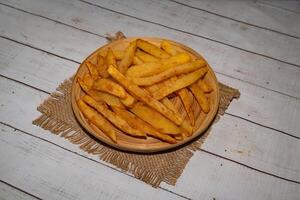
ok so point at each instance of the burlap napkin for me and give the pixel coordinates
(57, 117)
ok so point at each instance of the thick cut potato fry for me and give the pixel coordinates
(181, 82)
(137, 61)
(110, 87)
(145, 57)
(99, 121)
(88, 80)
(117, 53)
(187, 102)
(181, 69)
(168, 47)
(200, 97)
(128, 101)
(141, 125)
(144, 95)
(128, 57)
(155, 119)
(151, 68)
(151, 49)
(102, 66)
(112, 117)
(110, 58)
(92, 69)
(204, 86)
(101, 96)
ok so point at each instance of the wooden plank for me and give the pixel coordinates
(75, 44)
(8, 192)
(60, 174)
(292, 6)
(46, 72)
(245, 142)
(207, 25)
(53, 173)
(254, 13)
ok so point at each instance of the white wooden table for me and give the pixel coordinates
(252, 153)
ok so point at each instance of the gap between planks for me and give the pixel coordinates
(233, 19)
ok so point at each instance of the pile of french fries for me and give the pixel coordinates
(130, 90)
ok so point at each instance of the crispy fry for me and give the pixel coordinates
(87, 79)
(128, 101)
(181, 69)
(204, 86)
(151, 68)
(110, 58)
(187, 101)
(141, 125)
(144, 96)
(110, 87)
(200, 97)
(180, 83)
(151, 49)
(168, 104)
(98, 120)
(92, 69)
(145, 57)
(117, 53)
(155, 119)
(128, 57)
(137, 61)
(112, 117)
(101, 66)
(167, 46)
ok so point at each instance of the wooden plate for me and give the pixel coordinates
(128, 143)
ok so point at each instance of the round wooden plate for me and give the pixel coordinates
(149, 145)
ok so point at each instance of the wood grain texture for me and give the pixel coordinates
(76, 44)
(210, 26)
(240, 136)
(292, 6)
(53, 173)
(253, 13)
(8, 192)
(149, 145)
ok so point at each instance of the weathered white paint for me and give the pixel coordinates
(8, 193)
(76, 45)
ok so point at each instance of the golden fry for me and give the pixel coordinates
(144, 95)
(141, 125)
(101, 66)
(110, 87)
(151, 68)
(110, 58)
(181, 82)
(98, 120)
(145, 57)
(112, 117)
(151, 49)
(187, 101)
(155, 119)
(200, 97)
(128, 101)
(92, 69)
(181, 69)
(204, 86)
(167, 46)
(128, 57)
(137, 61)
(88, 80)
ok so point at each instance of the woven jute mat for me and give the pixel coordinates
(58, 117)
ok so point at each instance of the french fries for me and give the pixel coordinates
(180, 83)
(200, 97)
(128, 91)
(99, 121)
(151, 68)
(107, 85)
(187, 103)
(145, 57)
(112, 117)
(127, 57)
(151, 49)
(155, 119)
(141, 125)
(143, 95)
(181, 69)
